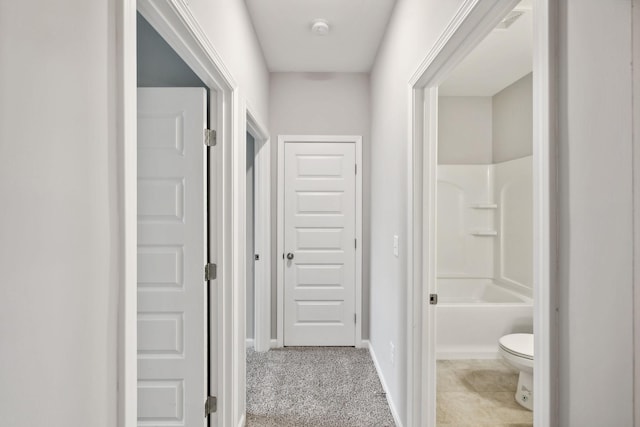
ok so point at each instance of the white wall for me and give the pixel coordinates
(59, 217)
(595, 214)
(513, 121)
(322, 104)
(229, 28)
(413, 28)
(465, 130)
(594, 201)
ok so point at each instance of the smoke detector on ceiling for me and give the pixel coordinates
(320, 27)
(509, 19)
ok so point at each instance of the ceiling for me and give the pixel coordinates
(284, 30)
(502, 58)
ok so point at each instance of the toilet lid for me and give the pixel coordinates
(518, 344)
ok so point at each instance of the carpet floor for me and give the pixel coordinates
(314, 387)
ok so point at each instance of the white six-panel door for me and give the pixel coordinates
(172, 376)
(319, 237)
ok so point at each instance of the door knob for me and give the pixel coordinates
(289, 255)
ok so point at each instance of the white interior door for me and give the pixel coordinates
(172, 337)
(319, 243)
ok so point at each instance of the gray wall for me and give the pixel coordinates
(158, 64)
(513, 121)
(323, 104)
(250, 279)
(464, 130)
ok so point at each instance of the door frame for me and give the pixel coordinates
(282, 140)
(472, 22)
(174, 21)
(262, 231)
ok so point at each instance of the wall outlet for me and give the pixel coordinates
(396, 245)
(392, 353)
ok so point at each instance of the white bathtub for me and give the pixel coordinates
(472, 314)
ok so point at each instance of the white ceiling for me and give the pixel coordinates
(499, 60)
(284, 31)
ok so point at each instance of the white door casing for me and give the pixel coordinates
(172, 334)
(320, 211)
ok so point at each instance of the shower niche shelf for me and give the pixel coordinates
(484, 206)
(484, 233)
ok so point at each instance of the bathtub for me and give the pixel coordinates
(472, 314)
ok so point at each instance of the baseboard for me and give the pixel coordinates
(250, 343)
(462, 355)
(274, 343)
(243, 420)
(392, 406)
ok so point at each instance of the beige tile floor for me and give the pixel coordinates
(478, 393)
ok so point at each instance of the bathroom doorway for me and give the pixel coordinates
(484, 227)
(481, 221)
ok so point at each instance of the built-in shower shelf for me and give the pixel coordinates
(484, 206)
(484, 233)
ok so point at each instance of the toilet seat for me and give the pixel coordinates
(519, 345)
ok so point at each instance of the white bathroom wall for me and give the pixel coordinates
(513, 189)
(465, 130)
(464, 193)
(480, 199)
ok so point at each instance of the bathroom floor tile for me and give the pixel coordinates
(478, 393)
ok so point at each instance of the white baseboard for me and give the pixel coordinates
(250, 342)
(462, 355)
(274, 343)
(392, 406)
(243, 420)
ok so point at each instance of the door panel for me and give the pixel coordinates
(172, 376)
(319, 218)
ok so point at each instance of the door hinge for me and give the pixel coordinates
(433, 299)
(256, 257)
(210, 272)
(210, 406)
(210, 137)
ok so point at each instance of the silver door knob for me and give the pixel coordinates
(289, 255)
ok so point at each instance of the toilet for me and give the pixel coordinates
(517, 350)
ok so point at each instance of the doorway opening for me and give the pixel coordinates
(476, 224)
(161, 334)
(258, 234)
(484, 230)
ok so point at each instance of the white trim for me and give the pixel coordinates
(250, 343)
(243, 420)
(128, 200)
(173, 20)
(357, 140)
(383, 382)
(473, 21)
(274, 343)
(262, 220)
(636, 210)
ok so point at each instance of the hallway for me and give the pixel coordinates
(314, 386)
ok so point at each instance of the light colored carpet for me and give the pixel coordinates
(314, 387)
